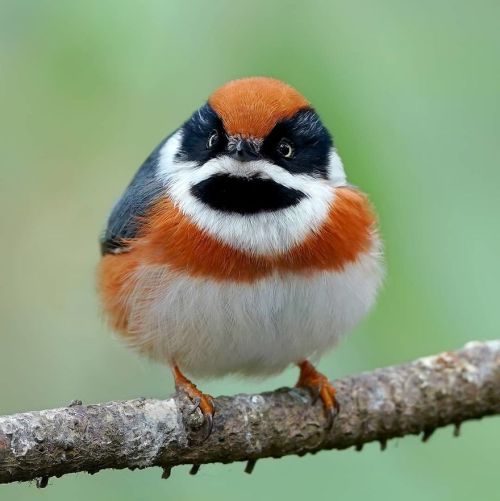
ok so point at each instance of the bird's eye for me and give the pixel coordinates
(285, 149)
(213, 139)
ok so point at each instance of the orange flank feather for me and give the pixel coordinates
(171, 239)
(116, 281)
(251, 107)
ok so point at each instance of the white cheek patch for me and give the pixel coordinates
(261, 233)
(336, 171)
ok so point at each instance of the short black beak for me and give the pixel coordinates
(244, 150)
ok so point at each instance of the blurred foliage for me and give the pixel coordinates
(411, 93)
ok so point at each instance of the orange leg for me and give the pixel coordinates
(201, 400)
(320, 387)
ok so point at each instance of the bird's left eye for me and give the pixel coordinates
(213, 139)
(285, 149)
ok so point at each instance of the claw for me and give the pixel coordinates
(315, 393)
(209, 420)
(200, 400)
(320, 387)
(196, 404)
(336, 405)
(331, 414)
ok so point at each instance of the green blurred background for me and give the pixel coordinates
(411, 93)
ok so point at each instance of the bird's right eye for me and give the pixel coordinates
(213, 139)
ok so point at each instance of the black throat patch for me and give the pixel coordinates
(245, 195)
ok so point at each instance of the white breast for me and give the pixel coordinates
(212, 328)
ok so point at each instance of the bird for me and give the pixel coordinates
(239, 247)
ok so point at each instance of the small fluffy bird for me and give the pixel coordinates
(239, 247)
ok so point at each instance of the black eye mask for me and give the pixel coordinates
(196, 133)
(310, 140)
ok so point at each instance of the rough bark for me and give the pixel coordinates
(392, 402)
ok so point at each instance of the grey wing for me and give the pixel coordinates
(125, 220)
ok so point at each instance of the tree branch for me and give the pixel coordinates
(407, 399)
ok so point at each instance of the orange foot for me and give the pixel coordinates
(320, 387)
(200, 400)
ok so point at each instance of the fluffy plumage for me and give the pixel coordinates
(249, 281)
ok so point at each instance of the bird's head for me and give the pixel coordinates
(254, 166)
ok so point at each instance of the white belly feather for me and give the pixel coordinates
(212, 328)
